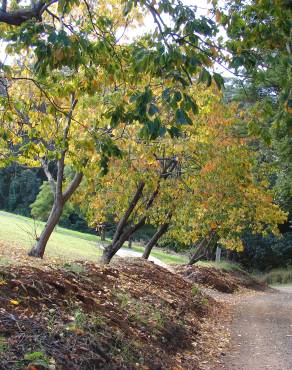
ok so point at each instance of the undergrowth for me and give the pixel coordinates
(278, 276)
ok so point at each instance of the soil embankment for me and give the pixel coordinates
(82, 316)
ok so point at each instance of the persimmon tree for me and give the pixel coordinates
(135, 190)
(74, 75)
(196, 186)
(231, 193)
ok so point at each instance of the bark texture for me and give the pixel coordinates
(204, 248)
(38, 249)
(152, 242)
(19, 16)
(125, 230)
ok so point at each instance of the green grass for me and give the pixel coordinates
(278, 277)
(164, 256)
(66, 244)
(223, 265)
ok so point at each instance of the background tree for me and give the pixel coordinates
(18, 188)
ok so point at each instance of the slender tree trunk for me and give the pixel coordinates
(60, 197)
(161, 231)
(110, 250)
(199, 253)
(102, 233)
(124, 219)
(122, 233)
(38, 249)
(203, 249)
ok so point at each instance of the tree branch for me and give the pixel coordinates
(19, 16)
(49, 175)
(128, 212)
(72, 186)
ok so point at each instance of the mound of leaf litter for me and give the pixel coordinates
(225, 281)
(81, 316)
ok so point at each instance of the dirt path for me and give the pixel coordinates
(261, 333)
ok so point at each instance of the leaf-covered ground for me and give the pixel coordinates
(224, 281)
(134, 315)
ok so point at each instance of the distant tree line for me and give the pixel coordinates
(24, 191)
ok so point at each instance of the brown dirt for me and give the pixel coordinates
(225, 281)
(132, 316)
(261, 333)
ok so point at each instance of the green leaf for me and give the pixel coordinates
(177, 96)
(153, 109)
(166, 94)
(219, 80)
(182, 117)
(205, 77)
(174, 132)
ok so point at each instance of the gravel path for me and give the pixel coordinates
(261, 333)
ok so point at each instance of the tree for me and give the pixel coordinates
(80, 80)
(199, 184)
(40, 208)
(18, 188)
(259, 46)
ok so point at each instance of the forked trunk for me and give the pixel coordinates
(109, 251)
(203, 248)
(38, 249)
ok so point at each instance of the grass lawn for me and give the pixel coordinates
(223, 265)
(64, 244)
(164, 256)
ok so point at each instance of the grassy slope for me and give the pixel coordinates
(64, 243)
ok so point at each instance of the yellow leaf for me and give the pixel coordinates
(13, 301)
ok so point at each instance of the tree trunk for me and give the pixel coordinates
(123, 233)
(38, 249)
(199, 253)
(60, 200)
(102, 234)
(124, 219)
(60, 197)
(110, 250)
(161, 231)
(204, 248)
